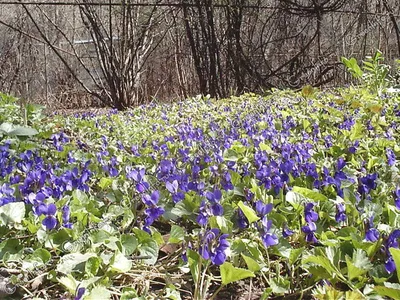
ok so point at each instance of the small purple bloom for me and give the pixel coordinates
(202, 218)
(286, 232)
(151, 200)
(66, 212)
(217, 209)
(138, 176)
(372, 235)
(173, 188)
(340, 213)
(268, 238)
(214, 247)
(390, 265)
(214, 196)
(397, 198)
(79, 294)
(341, 163)
(263, 209)
(391, 157)
(367, 183)
(309, 214)
(242, 220)
(355, 146)
(153, 211)
(50, 221)
(309, 230)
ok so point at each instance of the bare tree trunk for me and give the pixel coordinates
(395, 23)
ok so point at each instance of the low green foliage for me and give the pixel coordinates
(299, 197)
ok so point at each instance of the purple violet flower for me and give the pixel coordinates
(173, 189)
(309, 214)
(50, 221)
(391, 242)
(309, 230)
(263, 209)
(367, 183)
(286, 232)
(353, 148)
(340, 213)
(138, 176)
(214, 247)
(153, 211)
(397, 197)
(79, 294)
(268, 238)
(391, 156)
(371, 233)
(66, 212)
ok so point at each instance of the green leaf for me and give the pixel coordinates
(99, 293)
(279, 286)
(42, 254)
(361, 260)
(306, 124)
(177, 234)
(69, 282)
(99, 237)
(396, 257)
(330, 293)
(283, 248)
(352, 270)
(357, 131)
(10, 246)
(223, 224)
(295, 254)
(391, 290)
(129, 244)
(129, 293)
(6, 127)
(23, 131)
(149, 247)
(230, 155)
(158, 237)
(295, 199)
(310, 194)
(185, 207)
(320, 261)
(60, 238)
(80, 196)
(194, 260)
(248, 212)
(92, 265)
(11, 213)
(264, 147)
(235, 178)
(352, 67)
(105, 182)
(120, 264)
(253, 265)
(10, 129)
(354, 295)
(379, 274)
(230, 274)
(172, 293)
(141, 235)
(73, 262)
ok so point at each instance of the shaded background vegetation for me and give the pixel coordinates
(124, 53)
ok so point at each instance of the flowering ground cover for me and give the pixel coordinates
(261, 197)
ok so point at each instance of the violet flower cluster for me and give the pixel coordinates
(310, 217)
(214, 246)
